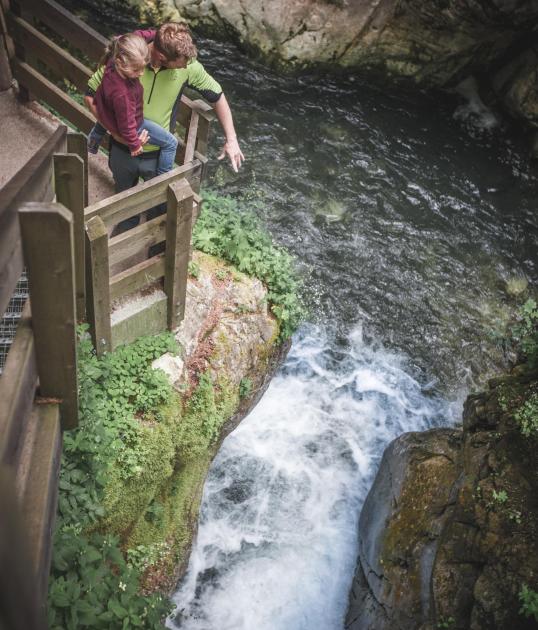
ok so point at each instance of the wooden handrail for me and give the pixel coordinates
(135, 200)
(70, 27)
(64, 65)
(33, 182)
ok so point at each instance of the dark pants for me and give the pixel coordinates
(127, 171)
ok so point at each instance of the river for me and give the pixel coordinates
(413, 220)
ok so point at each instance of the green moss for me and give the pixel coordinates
(161, 503)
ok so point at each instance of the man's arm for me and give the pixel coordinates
(205, 84)
(231, 146)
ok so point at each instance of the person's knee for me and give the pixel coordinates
(171, 142)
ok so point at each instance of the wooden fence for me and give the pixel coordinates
(36, 59)
(38, 386)
(120, 265)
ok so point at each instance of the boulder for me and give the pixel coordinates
(449, 531)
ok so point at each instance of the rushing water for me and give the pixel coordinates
(410, 218)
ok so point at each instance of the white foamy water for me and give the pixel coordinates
(277, 540)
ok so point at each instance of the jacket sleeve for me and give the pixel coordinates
(95, 81)
(201, 81)
(147, 34)
(126, 121)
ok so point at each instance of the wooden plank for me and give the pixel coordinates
(77, 143)
(70, 27)
(135, 200)
(59, 61)
(21, 607)
(69, 185)
(17, 388)
(44, 89)
(37, 485)
(178, 244)
(31, 183)
(5, 43)
(97, 285)
(204, 127)
(137, 277)
(191, 138)
(136, 240)
(47, 240)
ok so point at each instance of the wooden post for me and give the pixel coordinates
(69, 186)
(204, 125)
(47, 240)
(98, 285)
(21, 607)
(177, 254)
(77, 143)
(191, 137)
(5, 70)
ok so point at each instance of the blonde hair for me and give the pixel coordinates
(174, 40)
(127, 51)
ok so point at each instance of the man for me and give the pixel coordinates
(172, 67)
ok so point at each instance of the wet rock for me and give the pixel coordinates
(449, 531)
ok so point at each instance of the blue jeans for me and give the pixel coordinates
(158, 136)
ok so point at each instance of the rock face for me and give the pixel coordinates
(448, 532)
(435, 43)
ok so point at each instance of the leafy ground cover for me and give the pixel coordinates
(233, 233)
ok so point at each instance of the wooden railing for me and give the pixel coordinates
(38, 385)
(120, 265)
(34, 55)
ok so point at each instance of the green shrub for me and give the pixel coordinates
(225, 230)
(91, 585)
(529, 602)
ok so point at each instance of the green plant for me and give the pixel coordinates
(514, 516)
(500, 497)
(222, 274)
(525, 332)
(245, 387)
(225, 230)
(529, 602)
(92, 586)
(194, 269)
(142, 557)
(445, 622)
(526, 416)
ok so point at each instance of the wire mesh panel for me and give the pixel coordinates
(11, 318)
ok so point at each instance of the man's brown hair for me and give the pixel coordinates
(174, 40)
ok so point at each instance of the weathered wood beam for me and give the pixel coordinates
(62, 64)
(97, 285)
(178, 246)
(137, 240)
(69, 185)
(44, 89)
(140, 275)
(48, 244)
(33, 182)
(17, 388)
(70, 27)
(131, 202)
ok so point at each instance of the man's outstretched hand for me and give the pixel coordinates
(234, 153)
